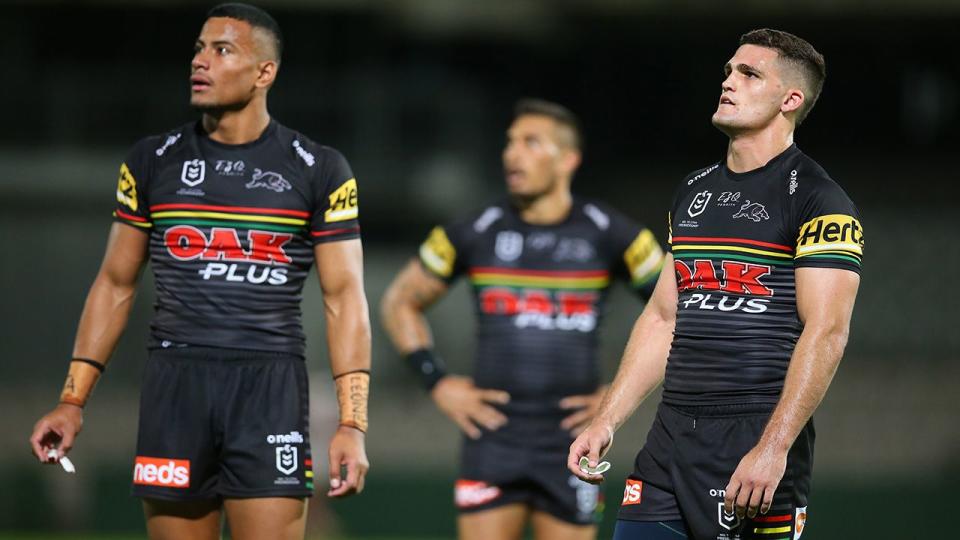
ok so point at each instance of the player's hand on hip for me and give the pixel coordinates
(347, 450)
(753, 484)
(57, 430)
(469, 406)
(584, 408)
(593, 443)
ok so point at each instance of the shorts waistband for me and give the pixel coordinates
(733, 409)
(194, 353)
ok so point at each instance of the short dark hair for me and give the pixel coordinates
(557, 112)
(253, 15)
(797, 53)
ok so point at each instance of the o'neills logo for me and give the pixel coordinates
(163, 472)
(467, 493)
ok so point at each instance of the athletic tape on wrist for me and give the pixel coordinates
(81, 379)
(353, 392)
(428, 366)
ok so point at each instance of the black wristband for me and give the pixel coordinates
(428, 366)
(93, 363)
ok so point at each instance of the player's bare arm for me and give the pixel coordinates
(411, 293)
(641, 371)
(825, 299)
(340, 269)
(104, 317)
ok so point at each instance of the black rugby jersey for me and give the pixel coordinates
(539, 292)
(736, 240)
(232, 230)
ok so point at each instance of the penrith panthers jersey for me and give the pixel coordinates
(539, 291)
(232, 230)
(736, 240)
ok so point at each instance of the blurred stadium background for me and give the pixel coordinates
(417, 94)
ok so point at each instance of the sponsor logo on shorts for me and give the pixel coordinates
(727, 521)
(343, 203)
(631, 492)
(194, 170)
(699, 203)
(163, 472)
(468, 493)
(588, 496)
(287, 459)
(799, 522)
(294, 437)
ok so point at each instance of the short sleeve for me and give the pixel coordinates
(132, 207)
(829, 233)
(639, 256)
(442, 253)
(336, 208)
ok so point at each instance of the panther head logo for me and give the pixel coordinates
(270, 180)
(752, 211)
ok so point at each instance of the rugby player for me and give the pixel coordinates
(540, 262)
(232, 210)
(748, 331)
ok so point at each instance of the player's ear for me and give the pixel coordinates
(267, 73)
(792, 101)
(571, 159)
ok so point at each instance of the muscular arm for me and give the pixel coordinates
(641, 371)
(111, 296)
(402, 307)
(645, 358)
(340, 269)
(825, 298)
(104, 317)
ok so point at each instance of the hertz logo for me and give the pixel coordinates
(127, 188)
(437, 253)
(343, 203)
(833, 232)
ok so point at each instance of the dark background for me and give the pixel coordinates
(417, 94)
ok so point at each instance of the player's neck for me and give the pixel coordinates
(749, 151)
(237, 127)
(548, 209)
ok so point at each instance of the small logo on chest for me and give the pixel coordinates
(509, 245)
(193, 172)
(226, 167)
(753, 211)
(699, 203)
(270, 180)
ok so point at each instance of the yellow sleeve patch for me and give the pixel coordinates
(343, 203)
(832, 233)
(438, 254)
(127, 188)
(643, 257)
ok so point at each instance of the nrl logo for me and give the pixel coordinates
(193, 172)
(509, 245)
(727, 521)
(270, 180)
(752, 211)
(699, 203)
(287, 459)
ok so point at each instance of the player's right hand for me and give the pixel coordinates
(469, 406)
(56, 430)
(593, 443)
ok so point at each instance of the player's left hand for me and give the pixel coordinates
(752, 485)
(586, 407)
(347, 449)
